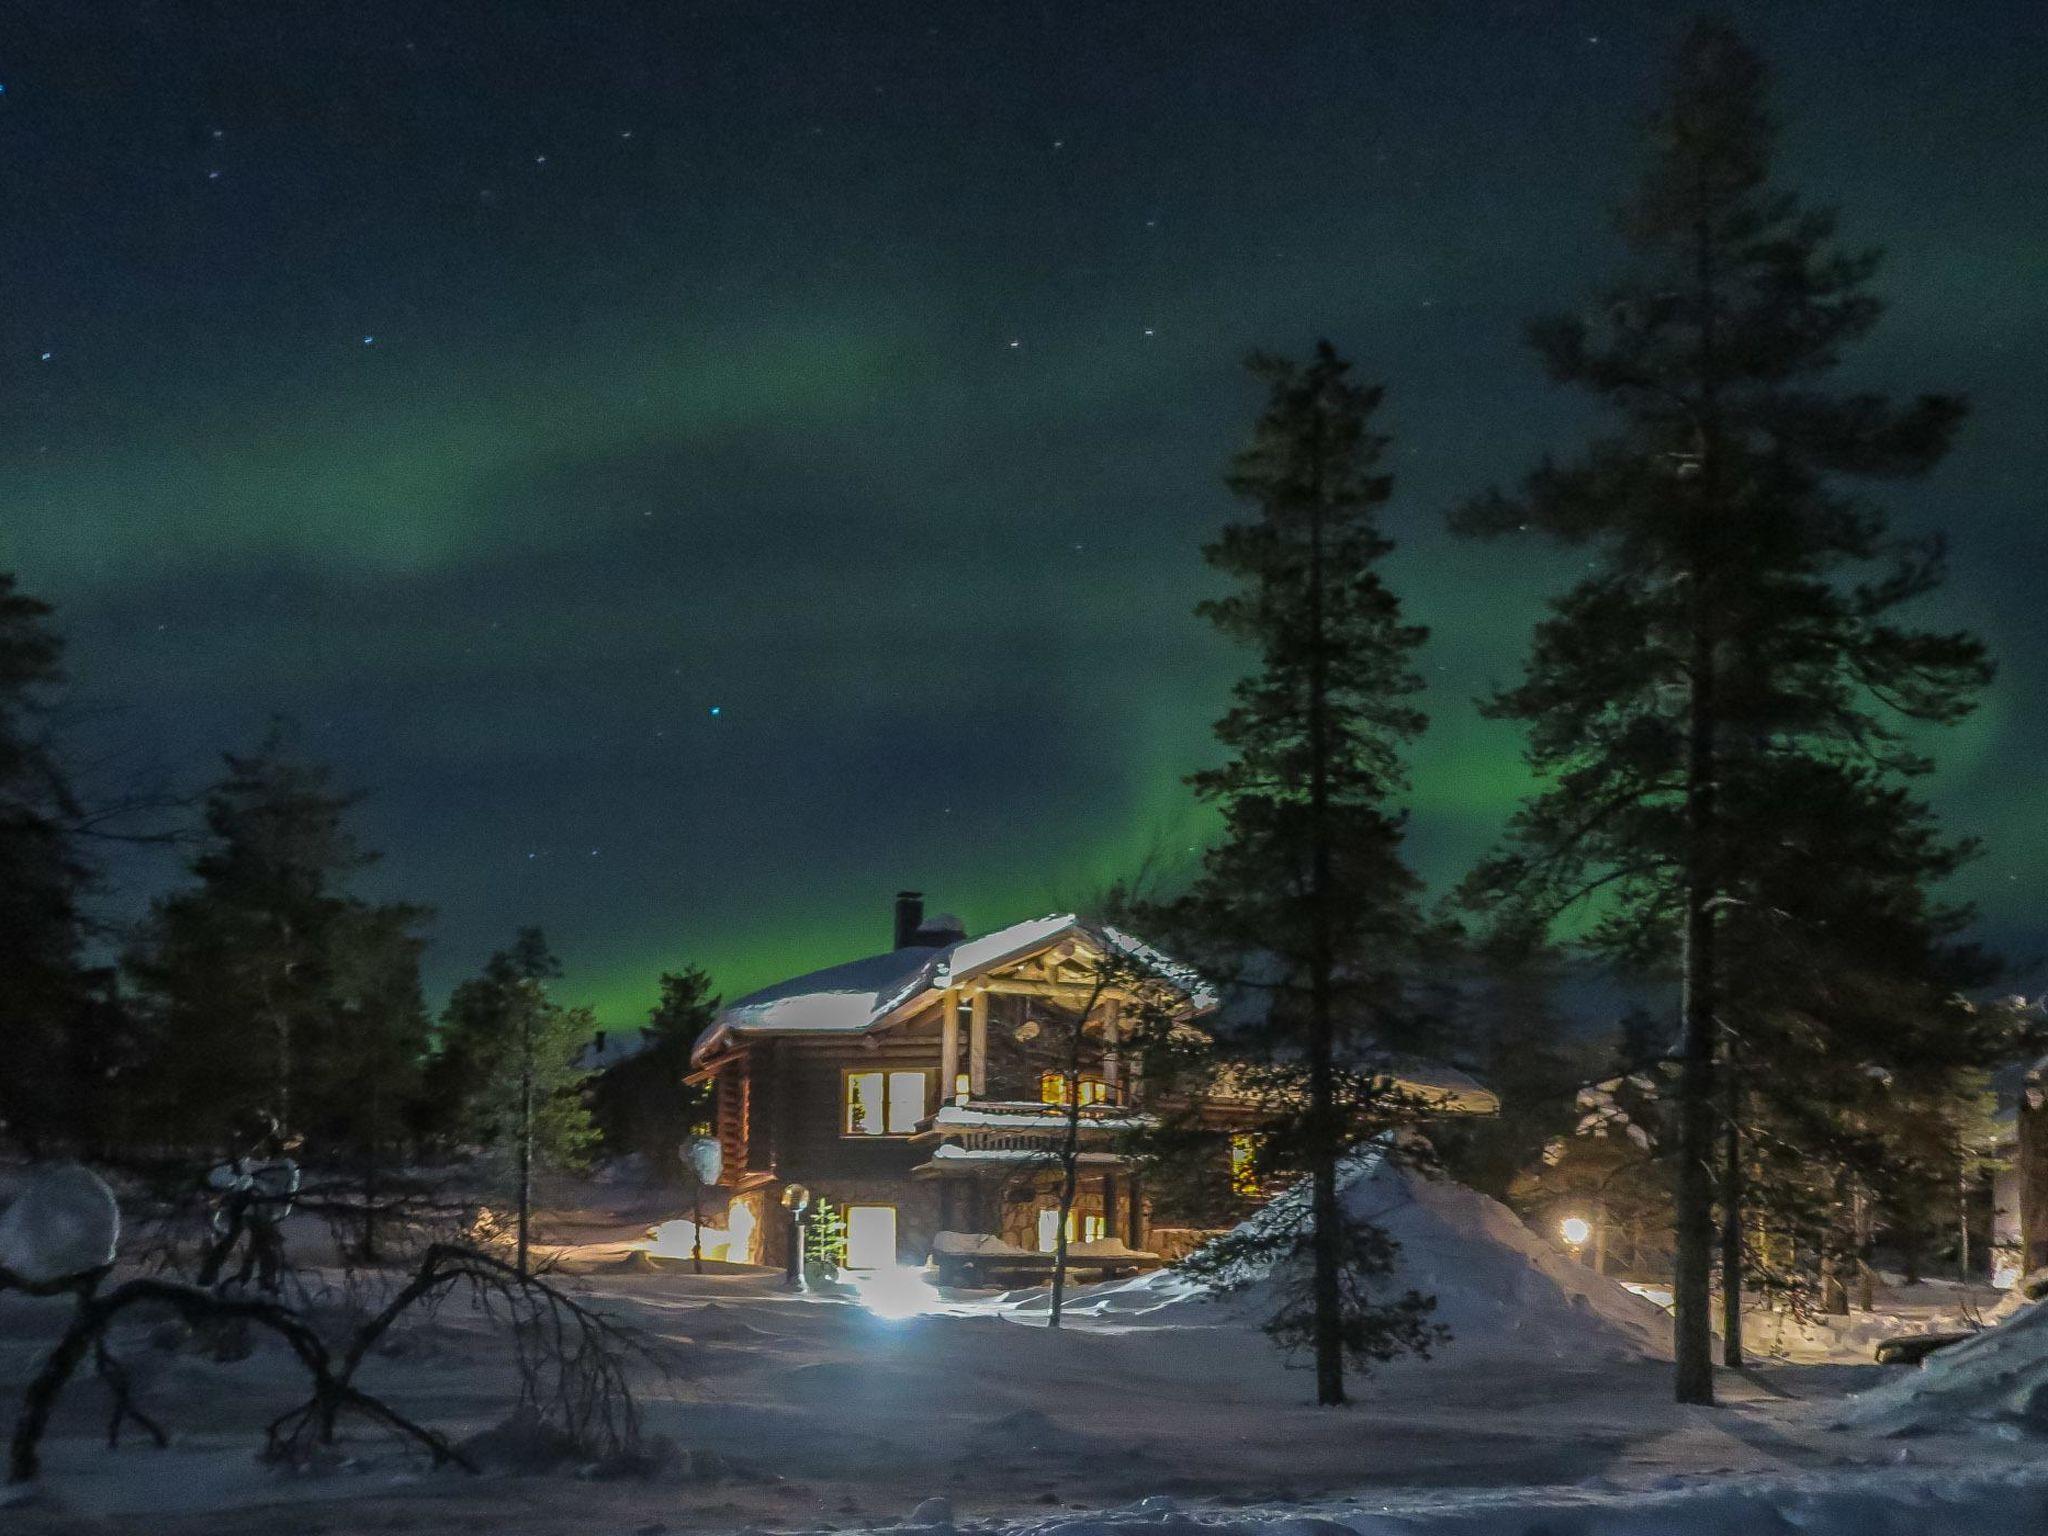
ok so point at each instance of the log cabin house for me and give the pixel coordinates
(916, 1091)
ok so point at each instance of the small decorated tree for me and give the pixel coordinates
(824, 1240)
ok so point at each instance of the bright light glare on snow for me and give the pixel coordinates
(673, 1240)
(1575, 1230)
(896, 1293)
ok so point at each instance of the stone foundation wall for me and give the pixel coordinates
(916, 1202)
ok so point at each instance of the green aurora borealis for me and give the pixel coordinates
(530, 382)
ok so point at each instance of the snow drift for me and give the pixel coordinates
(1997, 1381)
(1498, 1286)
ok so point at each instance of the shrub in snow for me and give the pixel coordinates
(63, 1224)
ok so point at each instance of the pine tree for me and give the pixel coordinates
(642, 1104)
(368, 1074)
(1736, 634)
(521, 1074)
(1610, 1170)
(1304, 903)
(52, 1016)
(268, 988)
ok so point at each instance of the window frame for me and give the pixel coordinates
(1093, 1090)
(847, 1131)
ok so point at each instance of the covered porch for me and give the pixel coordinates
(997, 1172)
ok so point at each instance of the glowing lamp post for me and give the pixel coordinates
(705, 1160)
(1575, 1230)
(796, 1200)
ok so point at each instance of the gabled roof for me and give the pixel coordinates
(862, 995)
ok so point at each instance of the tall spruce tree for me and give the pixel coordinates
(261, 982)
(1736, 632)
(1303, 908)
(1849, 1051)
(52, 1088)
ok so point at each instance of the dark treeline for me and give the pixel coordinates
(264, 994)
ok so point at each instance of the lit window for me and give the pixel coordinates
(1086, 1229)
(884, 1103)
(906, 1102)
(1244, 1157)
(1052, 1089)
(963, 1085)
(864, 1103)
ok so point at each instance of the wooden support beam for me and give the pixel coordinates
(1112, 1027)
(1073, 993)
(949, 1045)
(977, 1045)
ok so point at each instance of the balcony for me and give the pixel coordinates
(999, 1134)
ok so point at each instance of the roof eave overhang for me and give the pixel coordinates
(916, 1003)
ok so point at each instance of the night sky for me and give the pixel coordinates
(701, 467)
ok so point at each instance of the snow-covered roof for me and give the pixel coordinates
(865, 994)
(1436, 1086)
(611, 1046)
(1446, 1087)
(977, 1245)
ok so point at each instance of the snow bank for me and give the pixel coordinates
(63, 1223)
(1996, 1381)
(1851, 1340)
(977, 1245)
(1498, 1286)
(1885, 1502)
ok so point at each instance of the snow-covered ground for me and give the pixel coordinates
(1899, 1310)
(1889, 1502)
(787, 1413)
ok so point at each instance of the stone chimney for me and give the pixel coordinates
(909, 917)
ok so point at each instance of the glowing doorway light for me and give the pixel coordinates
(1575, 1230)
(739, 1233)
